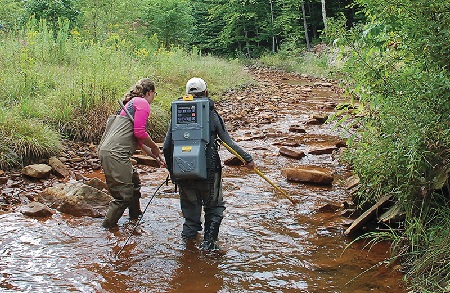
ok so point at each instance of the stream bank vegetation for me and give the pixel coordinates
(66, 63)
(396, 66)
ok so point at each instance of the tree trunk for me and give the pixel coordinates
(273, 36)
(305, 26)
(247, 43)
(324, 15)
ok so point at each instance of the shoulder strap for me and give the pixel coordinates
(126, 110)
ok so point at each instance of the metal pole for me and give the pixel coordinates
(293, 201)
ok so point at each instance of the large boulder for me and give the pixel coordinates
(77, 199)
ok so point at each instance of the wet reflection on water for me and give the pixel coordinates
(267, 245)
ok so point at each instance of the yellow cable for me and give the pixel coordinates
(259, 173)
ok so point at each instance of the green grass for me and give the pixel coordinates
(66, 87)
(21, 140)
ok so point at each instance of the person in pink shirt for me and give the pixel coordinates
(124, 133)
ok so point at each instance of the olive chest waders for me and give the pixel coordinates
(117, 145)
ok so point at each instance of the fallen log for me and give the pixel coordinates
(367, 215)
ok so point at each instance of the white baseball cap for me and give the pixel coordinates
(195, 85)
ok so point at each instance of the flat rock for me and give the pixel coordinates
(297, 129)
(37, 170)
(319, 118)
(352, 182)
(96, 183)
(146, 160)
(36, 209)
(323, 151)
(309, 174)
(287, 152)
(59, 167)
(323, 84)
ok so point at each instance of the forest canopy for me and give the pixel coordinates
(227, 28)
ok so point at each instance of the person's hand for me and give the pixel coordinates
(250, 165)
(161, 161)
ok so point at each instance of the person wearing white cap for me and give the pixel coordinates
(196, 86)
(196, 194)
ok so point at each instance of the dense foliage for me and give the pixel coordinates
(228, 28)
(397, 68)
(253, 27)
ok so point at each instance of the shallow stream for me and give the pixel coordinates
(266, 243)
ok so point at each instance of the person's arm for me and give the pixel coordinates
(150, 147)
(223, 134)
(142, 111)
(153, 151)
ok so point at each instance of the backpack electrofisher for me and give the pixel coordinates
(190, 135)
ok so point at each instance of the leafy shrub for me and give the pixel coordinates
(393, 67)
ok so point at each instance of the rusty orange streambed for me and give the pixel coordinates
(266, 243)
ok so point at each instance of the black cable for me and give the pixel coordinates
(140, 218)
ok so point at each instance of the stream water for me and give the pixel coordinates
(266, 243)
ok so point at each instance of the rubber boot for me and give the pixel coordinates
(115, 212)
(210, 238)
(135, 206)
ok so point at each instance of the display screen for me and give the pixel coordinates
(186, 114)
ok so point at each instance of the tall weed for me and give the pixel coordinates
(71, 84)
(402, 147)
(25, 140)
